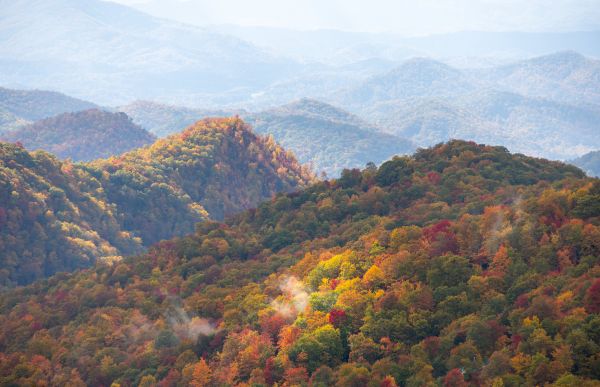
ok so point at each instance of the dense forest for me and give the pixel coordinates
(58, 215)
(82, 136)
(460, 265)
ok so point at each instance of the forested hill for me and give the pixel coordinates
(58, 215)
(19, 107)
(461, 265)
(218, 164)
(83, 136)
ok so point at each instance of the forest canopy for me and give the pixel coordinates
(56, 215)
(460, 265)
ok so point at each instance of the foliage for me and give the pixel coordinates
(59, 216)
(365, 291)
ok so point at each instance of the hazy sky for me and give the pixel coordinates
(411, 17)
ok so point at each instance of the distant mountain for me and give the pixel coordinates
(114, 54)
(59, 216)
(589, 162)
(564, 76)
(415, 78)
(546, 106)
(18, 107)
(163, 120)
(427, 121)
(82, 136)
(327, 137)
(530, 125)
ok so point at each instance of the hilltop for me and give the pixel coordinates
(59, 216)
(82, 136)
(459, 264)
(19, 107)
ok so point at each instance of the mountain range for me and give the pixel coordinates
(166, 234)
(422, 102)
(113, 54)
(428, 102)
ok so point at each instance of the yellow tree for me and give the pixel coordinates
(201, 375)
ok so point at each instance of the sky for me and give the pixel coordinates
(407, 17)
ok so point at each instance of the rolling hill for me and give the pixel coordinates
(82, 136)
(19, 107)
(328, 138)
(58, 216)
(462, 264)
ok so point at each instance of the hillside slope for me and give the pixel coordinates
(59, 216)
(462, 264)
(82, 136)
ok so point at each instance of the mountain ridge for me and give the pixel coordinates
(56, 215)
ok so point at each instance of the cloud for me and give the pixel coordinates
(188, 327)
(295, 297)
